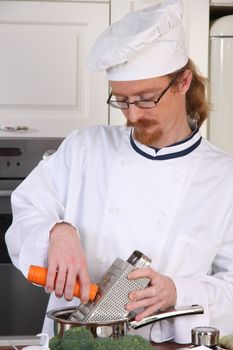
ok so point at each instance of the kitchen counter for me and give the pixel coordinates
(169, 346)
(19, 342)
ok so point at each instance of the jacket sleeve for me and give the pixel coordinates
(37, 204)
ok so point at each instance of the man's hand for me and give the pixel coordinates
(160, 293)
(66, 262)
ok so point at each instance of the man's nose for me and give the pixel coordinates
(134, 113)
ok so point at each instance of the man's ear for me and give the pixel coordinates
(185, 81)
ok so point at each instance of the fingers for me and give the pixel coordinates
(145, 298)
(66, 264)
(149, 311)
(142, 303)
(68, 286)
(141, 273)
(85, 286)
(63, 281)
(160, 293)
(60, 281)
(71, 279)
(149, 292)
(51, 277)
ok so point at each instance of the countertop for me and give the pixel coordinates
(20, 342)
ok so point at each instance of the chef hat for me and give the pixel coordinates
(144, 44)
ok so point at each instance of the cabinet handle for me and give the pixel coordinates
(5, 193)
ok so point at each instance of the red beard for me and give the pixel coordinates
(146, 131)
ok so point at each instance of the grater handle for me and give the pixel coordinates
(173, 311)
(139, 260)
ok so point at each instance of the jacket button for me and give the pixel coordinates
(113, 210)
(161, 220)
(175, 176)
(103, 259)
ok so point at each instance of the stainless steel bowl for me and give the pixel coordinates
(108, 329)
(116, 328)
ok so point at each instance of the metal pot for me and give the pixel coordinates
(116, 328)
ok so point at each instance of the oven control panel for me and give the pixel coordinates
(18, 157)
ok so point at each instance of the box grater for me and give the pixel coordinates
(114, 288)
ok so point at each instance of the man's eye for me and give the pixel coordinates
(120, 99)
(149, 98)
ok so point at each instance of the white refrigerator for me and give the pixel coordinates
(221, 83)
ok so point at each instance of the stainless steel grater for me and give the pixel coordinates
(114, 288)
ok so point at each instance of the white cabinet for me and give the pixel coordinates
(44, 83)
(196, 23)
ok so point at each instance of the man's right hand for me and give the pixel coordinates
(66, 262)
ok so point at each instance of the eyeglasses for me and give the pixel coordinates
(145, 104)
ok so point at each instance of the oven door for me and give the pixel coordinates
(22, 304)
(5, 222)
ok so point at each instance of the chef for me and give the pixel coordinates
(155, 185)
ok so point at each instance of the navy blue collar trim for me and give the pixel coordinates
(194, 132)
(170, 155)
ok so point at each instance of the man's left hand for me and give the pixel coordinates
(159, 294)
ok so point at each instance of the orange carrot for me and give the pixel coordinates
(38, 275)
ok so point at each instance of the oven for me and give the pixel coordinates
(22, 304)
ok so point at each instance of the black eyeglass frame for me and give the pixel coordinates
(139, 101)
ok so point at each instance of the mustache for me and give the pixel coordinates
(142, 123)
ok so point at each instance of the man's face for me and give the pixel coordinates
(151, 126)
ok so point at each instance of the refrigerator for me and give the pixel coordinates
(221, 83)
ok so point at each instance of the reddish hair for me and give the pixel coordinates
(197, 106)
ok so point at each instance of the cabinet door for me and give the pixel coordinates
(196, 24)
(44, 82)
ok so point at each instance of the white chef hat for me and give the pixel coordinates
(144, 44)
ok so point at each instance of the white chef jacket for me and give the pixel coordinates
(174, 204)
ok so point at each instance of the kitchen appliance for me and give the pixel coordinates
(114, 287)
(22, 305)
(221, 77)
(116, 328)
